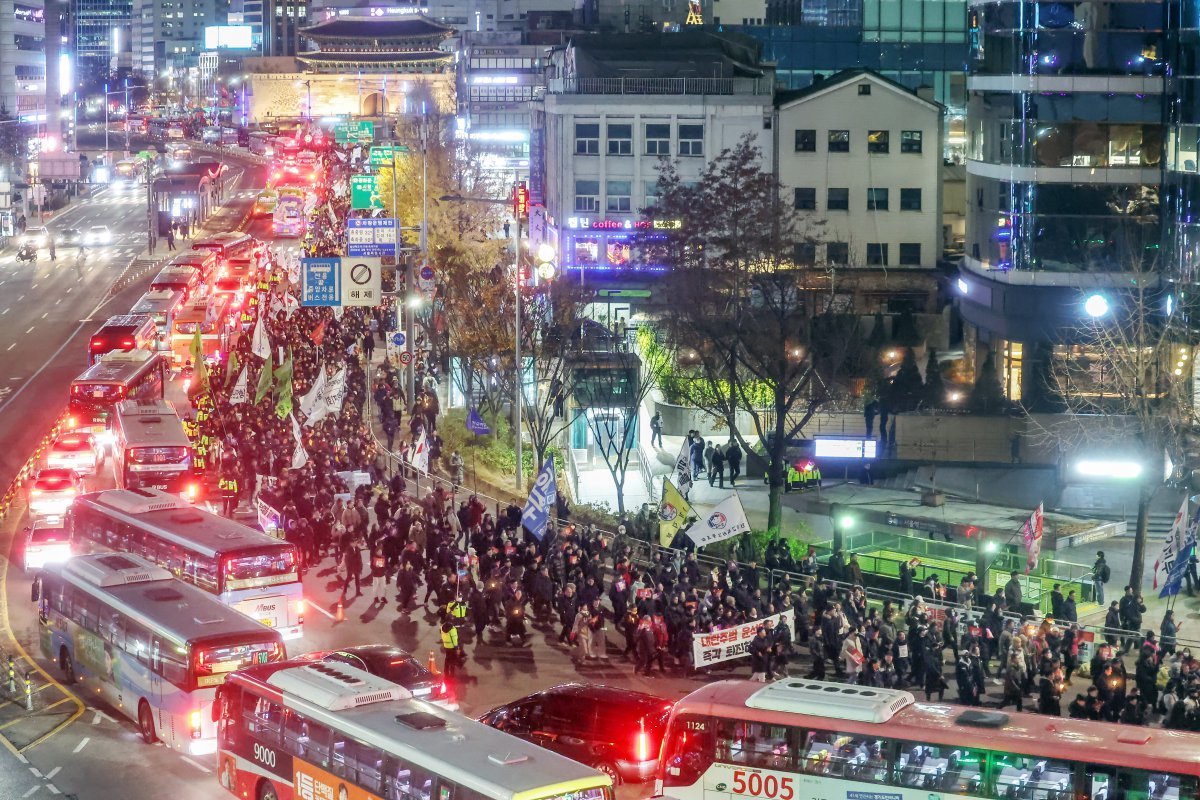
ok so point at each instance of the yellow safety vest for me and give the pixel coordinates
(450, 639)
(457, 610)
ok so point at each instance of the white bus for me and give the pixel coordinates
(151, 450)
(327, 730)
(152, 647)
(246, 569)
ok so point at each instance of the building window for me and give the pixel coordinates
(910, 254)
(617, 198)
(877, 254)
(651, 194)
(620, 140)
(806, 198)
(806, 141)
(587, 139)
(805, 254)
(910, 141)
(864, 89)
(877, 141)
(837, 199)
(837, 253)
(691, 140)
(658, 139)
(587, 195)
(910, 199)
(839, 141)
(877, 199)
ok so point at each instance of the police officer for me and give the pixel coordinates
(229, 489)
(450, 649)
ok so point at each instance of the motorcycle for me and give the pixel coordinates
(27, 252)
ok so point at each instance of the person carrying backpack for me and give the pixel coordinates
(1101, 574)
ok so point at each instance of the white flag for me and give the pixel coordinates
(1172, 546)
(683, 468)
(260, 345)
(290, 304)
(335, 392)
(726, 520)
(312, 404)
(299, 455)
(241, 392)
(420, 454)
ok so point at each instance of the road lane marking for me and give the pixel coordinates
(96, 719)
(32, 789)
(2, 313)
(52, 788)
(30, 330)
(11, 346)
(37, 773)
(50, 775)
(82, 744)
(43, 317)
(197, 765)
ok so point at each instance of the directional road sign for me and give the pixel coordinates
(363, 194)
(371, 236)
(320, 282)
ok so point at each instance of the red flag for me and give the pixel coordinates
(318, 334)
(1032, 531)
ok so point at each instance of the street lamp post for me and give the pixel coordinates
(106, 120)
(126, 117)
(518, 398)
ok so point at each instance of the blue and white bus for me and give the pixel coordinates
(151, 646)
(244, 568)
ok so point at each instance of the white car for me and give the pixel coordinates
(46, 543)
(53, 491)
(98, 234)
(38, 237)
(76, 451)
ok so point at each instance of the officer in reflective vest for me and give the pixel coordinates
(229, 492)
(450, 649)
(793, 478)
(456, 612)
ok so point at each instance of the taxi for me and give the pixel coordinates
(76, 451)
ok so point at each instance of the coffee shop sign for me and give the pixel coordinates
(591, 224)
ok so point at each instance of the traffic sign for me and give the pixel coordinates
(320, 282)
(385, 155)
(405, 357)
(362, 283)
(425, 281)
(372, 236)
(398, 338)
(363, 194)
(361, 130)
(426, 273)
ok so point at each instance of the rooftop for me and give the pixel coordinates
(369, 57)
(374, 31)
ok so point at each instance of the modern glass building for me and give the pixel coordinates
(99, 26)
(1081, 143)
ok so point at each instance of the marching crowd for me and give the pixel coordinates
(487, 580)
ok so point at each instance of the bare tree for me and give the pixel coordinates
(550, 344)
(748, 333)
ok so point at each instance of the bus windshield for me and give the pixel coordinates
(212, 663)
(266, 568)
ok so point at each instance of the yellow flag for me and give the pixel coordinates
(673, 513)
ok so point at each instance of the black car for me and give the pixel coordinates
(68, 237)
(617, 731)
(393, 664)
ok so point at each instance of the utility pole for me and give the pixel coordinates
(518, 400)
(127, 118)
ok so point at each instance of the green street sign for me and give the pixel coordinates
(361, 130)
(363, 194)
(385, 155)
(145, 154)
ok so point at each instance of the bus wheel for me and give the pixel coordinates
(146, 723)
(67, 666)
(266, 791)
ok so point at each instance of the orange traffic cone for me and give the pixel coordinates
(339, 612)
(433, 667)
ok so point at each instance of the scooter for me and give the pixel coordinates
(27, 252)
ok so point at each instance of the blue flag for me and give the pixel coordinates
(476, 425)
(542, 497)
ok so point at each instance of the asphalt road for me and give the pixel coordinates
(100, 755)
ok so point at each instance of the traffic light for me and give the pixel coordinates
(521, 200)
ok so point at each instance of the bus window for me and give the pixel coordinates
(757, 744)
(318, 745)
(263, 718)
(295, 734)
(1108, 783)
(359, 763)
(1028, 778)
(405, 781)
(846, 756)
(954, 770)
(689, 748)
(137, 642)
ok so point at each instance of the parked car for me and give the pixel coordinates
(394, 664)
(617, 731)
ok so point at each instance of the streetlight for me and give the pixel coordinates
(1096, 306)
(308, 85)
(517, 399)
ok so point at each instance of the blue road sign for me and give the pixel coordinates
(320, 281)
(399, 339)
(371, 237)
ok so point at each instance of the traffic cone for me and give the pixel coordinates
(339, 612)
(433, 667)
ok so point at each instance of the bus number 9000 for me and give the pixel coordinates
(756, 784)
(264, 755)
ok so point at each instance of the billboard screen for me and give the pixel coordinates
(228, 37)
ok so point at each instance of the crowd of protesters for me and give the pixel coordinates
(487, 580)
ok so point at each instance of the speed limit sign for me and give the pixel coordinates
(405, 357)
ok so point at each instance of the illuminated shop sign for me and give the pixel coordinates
(592, 224)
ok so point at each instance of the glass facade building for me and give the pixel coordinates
(98, 27)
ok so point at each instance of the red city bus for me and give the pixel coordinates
(123, 332)
(798, 739)
(117, 376)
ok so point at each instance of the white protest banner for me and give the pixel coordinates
(727, 519)
(730, 643)
(269, 519)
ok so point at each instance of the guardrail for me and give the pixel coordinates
(30, 466)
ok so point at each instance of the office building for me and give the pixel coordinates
(168, 35)
(498, 80)
(860, 156)
(101, 33)
(23, 59)
(613, 107)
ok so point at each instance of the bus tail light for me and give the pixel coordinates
(193, 491)
(194, 720)
(71, 422)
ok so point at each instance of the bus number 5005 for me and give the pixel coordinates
(264, 755)
(758, 785)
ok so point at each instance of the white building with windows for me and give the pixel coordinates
(861, 157)
(614, 106)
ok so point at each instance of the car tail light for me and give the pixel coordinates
(193, 491)
(36, 492)
(300, 607)
(127, 343)
(71, 421)
(641, 747)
